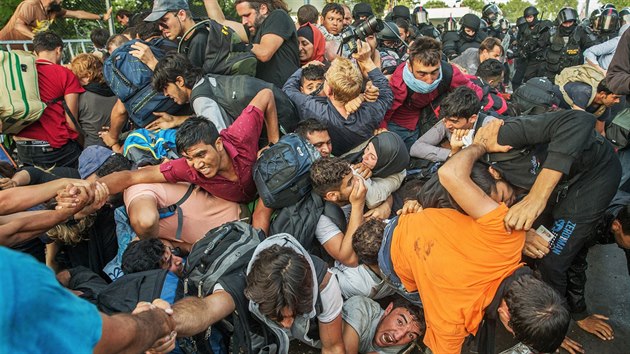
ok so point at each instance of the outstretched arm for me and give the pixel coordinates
(119, 181)
(266, 102)
(193, 315)
(216, 13)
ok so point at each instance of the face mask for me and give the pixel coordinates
(419, 86)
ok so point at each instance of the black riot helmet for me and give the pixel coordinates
(609, 6)
(624, 16)
(519, 21)
(420, 15)
(483, 26)
(608, 20)
(387, 33)
(400, 11)
(567, 14)
(450, 25)
(593, 19)
(471, 21)
(490, 13)
(530, 11)
(362, 10)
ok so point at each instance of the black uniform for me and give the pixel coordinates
(531, 42)
(602, 235)
(566, 48)
(455, 43)
(427, 30)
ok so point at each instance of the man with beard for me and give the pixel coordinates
(34, 16)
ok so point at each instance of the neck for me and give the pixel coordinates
(340, 107)
(50, 56)
(226, 169)
(186, 25)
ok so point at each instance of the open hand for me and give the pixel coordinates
(522, 215)
(410, 206)
(488, 135)
(571, 346)
(597, 325)
(144, 54)
(163, 121)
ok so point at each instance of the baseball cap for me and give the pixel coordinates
(92, 158)
(161, 7)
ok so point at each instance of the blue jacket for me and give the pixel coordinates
(603, 53)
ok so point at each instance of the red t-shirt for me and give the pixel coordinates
(240, 141)
(54, 81)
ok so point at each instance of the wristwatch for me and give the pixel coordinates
(101, 16)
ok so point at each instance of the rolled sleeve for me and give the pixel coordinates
(178, 171)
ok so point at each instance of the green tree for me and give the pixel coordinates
(7, 7)
(432, 4)
(549, 9)
(476, 5)
(378, 6)
(619, 4)
(513, 9)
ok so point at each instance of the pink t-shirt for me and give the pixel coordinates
(202, 211)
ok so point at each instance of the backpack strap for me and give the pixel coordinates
(68, 112)
(190, 30)
(175, 208)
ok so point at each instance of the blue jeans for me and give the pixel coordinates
(408, 136)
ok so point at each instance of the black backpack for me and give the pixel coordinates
(300, 220)
(225, 53)
(124, 294)
(281, 173)
(536, 92)
(234, 93)
(223, 250)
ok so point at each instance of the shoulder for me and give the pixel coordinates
(360, 310)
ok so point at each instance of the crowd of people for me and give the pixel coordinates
(356, 184)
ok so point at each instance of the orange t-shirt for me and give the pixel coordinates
(457, 264)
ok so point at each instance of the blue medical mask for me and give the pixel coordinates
(419, 86)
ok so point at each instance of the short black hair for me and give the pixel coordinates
(461, 103)
(624, 218)
(122, 13)
(146, 30)
(402, 23)
(333, 7)
(143, 255)
(46, 41)
(313, 72)
(307, 126)
(170, 67)
(195, 130)
(99, 37)
(115, 163)
(603, 87)
(480, 175)
(490, 69)
(307, 14)
(416, 312)
(538, 314)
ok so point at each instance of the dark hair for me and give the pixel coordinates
(490, 69)
(99, 37)
(482, 178)
(366, 241)
(195, 130)
(461, 103)
(327, 174)
(402, 23)
(146, 30)
(114, 163)
(307, 126)
(138, 18)
(538, 314)
(123, 13)
(603, 87)
(307, 14)
(624, 218)
(427, 50)
(271, 4)
(280, 278)
(170, 67)
(143, 255)
(131, 31)
(46, 41)
(416, 312)
(489, 43)
(313, 72)
(410, 189)
(332, 7)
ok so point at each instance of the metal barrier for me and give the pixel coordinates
(71, 49)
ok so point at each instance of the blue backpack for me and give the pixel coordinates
(282, 172)
(145, 147)
(130, 80)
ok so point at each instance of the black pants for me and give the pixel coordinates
(576, 214)
(41, 154)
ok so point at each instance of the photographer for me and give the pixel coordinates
(343, 84)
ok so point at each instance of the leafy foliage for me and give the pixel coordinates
(549, 9)
(432, 4)
(476, 5)
(513, 9)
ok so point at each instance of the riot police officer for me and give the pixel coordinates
(608, 25)
(567, 45)
(420, 19)
(624, 16)
(468, 36)
(390, 47)
(490, 14)
(532, 40)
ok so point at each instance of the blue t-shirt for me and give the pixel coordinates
(38, 315)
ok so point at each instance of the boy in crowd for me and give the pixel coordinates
(332, 21)
(312, 81)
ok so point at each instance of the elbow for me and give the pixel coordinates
(146, 224)
(447, 174)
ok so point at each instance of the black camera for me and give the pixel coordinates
(367, 28)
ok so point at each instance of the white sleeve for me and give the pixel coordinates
(209, 109)
(332, 302)
(379, 189)
(326, 229)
